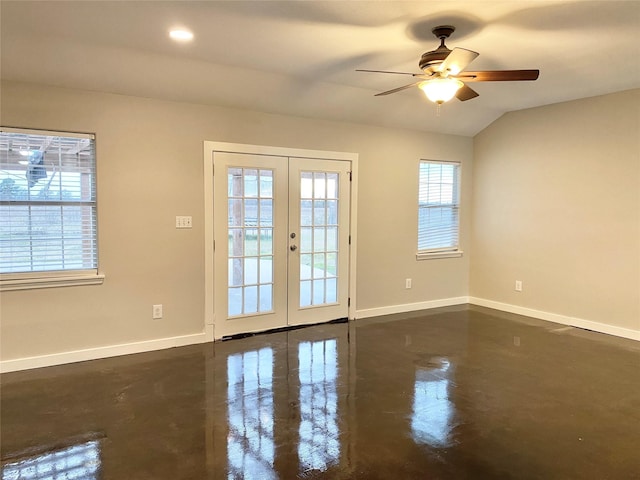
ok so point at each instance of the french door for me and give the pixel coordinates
(281, 236)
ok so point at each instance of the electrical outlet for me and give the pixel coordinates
(183, 221)
(157, 312)
(407, 283)
(518, 285)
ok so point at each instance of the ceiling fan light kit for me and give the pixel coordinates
(440, 90)
(443, 74)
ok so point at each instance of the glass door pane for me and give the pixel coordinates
(250, 236)
(318, 238)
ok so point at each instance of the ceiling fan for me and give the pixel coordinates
(444, 74)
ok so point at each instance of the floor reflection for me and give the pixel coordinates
(319, 445)
(78, 462)
(432, 410)
(250, 442)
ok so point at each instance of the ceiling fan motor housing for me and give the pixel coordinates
(437, 56)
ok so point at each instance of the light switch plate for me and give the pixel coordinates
(183, 221)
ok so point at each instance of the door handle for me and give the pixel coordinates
(293, 248)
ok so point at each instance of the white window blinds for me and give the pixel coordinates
(47, 201)
(438, 205)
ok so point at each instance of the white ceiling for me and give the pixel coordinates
(299, 58)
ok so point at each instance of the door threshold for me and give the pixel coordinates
(281, 329)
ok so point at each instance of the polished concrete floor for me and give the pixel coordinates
(458, 393)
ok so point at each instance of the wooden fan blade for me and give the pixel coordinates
(399, 89)
(418, 75)
(499, 76)
(466, 93)
(457, 61)
(384, 71)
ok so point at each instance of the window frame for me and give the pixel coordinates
(64, 277)
(452, 251)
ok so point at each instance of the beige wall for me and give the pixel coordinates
(150, 169)
(556, 204)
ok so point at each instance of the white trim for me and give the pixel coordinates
(277, 151)
(436, 255)
(353, 225)
(49, 282)
(505, 307)
(450, 162)
(207, 336)
(49, 133)
(208, 241)
(411, 307)
(557, 318)
(40, 361)
(208, 332)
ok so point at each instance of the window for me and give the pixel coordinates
(438, 209)
(48, 227)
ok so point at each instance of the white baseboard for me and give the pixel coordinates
(562, 319)
(209, 332)
(410, 307)
(100, 352)
(207, 336)
(505, 307)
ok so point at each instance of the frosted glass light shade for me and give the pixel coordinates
(440, 90)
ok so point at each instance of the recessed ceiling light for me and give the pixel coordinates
(181, 35)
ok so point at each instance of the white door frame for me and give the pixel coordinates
(209, 277)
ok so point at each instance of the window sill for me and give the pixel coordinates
(435, 255)
(7, 284)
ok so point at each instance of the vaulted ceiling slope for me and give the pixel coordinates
(299, 58)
